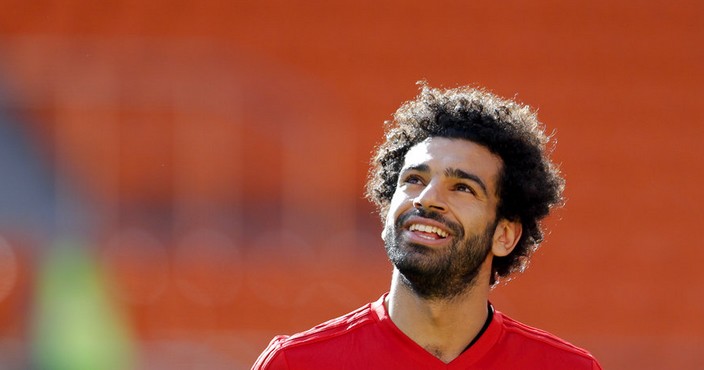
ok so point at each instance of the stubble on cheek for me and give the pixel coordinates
(418, 257)
(437, 273)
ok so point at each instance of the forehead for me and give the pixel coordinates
(440, 153)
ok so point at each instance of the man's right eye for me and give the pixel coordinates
(413, 179)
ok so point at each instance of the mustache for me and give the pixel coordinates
(432, 215)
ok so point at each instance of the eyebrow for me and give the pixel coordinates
(457, 173)
(451, 172)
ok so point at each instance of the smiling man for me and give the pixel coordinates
(461, 182)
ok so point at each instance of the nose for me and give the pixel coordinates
(430, 198)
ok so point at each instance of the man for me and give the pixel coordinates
(462, 181)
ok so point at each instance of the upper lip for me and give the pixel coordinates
(426, 221)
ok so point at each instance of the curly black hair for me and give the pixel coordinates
(529, 184)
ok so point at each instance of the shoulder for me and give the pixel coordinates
(331, 329)
(542, 345)
(321, 338)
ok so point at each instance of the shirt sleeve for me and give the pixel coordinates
(595, 365)
(273, 357)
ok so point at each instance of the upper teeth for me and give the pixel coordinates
(428, 229)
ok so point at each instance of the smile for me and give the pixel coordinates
(428, 229)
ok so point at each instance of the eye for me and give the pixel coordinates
(413, 179)
(464, 188)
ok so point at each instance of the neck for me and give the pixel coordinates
(443, 327)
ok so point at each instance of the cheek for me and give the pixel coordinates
(389, 221)
(475, 220)
(396, 206)
(393, 211)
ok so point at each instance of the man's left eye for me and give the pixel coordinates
(465, 188)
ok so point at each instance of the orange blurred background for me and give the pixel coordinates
(212, 157)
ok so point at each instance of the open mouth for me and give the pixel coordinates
(428, 232)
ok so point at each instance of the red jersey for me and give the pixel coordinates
(368, 339)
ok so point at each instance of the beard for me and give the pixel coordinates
(437, 274)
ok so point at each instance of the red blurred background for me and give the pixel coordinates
(213, 155)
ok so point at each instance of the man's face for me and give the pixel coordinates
(441, 219)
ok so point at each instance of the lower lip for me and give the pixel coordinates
(418, 239)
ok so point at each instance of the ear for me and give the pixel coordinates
(506, 237)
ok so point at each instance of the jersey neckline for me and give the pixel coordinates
(474, 353)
